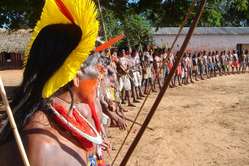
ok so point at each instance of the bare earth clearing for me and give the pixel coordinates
(203, 124)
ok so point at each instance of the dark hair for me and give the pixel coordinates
(50, 49)
(246, 51)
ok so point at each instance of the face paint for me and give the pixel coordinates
(87, 92)
(87, 88)
(88, 76)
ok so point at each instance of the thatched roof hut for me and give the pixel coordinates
(12, 47)
(14, 41)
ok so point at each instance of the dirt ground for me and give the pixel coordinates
(203, 124)
(11, 77)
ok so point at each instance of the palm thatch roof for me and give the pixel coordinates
(14, 41)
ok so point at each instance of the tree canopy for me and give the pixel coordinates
(161, 13)
(19, 14)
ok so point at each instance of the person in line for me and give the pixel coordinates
(247, 59)
(137, 73)
(200, 65)
(235, 62)
(243, 62)
(205, 64)
(124, 78)
(157, 69)
(195, 66)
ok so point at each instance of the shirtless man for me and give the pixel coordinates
(243, 62)
(171, 60)
(124, 80)
(205, 63)
(230, 56)
(148, 71)
(195, 66)
(137, 73)
(235, 62)
(46, 136)
(247, 59)
(190, 67)
(185, 69)
(157, 69)
(47, 107)
(200, 65)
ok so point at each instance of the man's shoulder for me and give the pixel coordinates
(40, 135)
(39, 119)
(39, 127)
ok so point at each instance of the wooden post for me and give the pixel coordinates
(102, 18)
(13, 125)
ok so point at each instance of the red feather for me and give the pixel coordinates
(64, 10)
(109, 43)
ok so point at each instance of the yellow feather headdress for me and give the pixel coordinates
(80, 12)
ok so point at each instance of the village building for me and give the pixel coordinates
(208, 38)
(13, 43)
(12, 47)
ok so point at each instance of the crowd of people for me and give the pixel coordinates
(68, 99)
(131, 74)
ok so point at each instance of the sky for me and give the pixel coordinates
(133, 1)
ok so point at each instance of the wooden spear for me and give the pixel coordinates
(171, 48)
(13, 125)
(165, 87)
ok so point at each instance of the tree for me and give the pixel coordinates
(213, 14)
(237, 13)
(217, 12)
(19, 14)
(23, 14)
(138, 30)
(117, 6)
(165, 13)
(113, 25)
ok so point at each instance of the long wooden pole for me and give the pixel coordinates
(165, 86)
(13, 125)
(102, 19)
(142, 106)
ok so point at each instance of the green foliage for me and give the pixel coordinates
(117, 6)
(138, 30)
(240, 5)
(217, 13)
(237, 13)
(16, 14)
(24, 13)
(112, 23)
(167, 13)
(213, 15)
(213, 18)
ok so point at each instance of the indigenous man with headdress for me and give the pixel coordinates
(46, 107)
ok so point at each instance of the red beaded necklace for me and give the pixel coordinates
(77, 125)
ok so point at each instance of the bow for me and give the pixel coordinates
(165, 86)
(147, 96)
